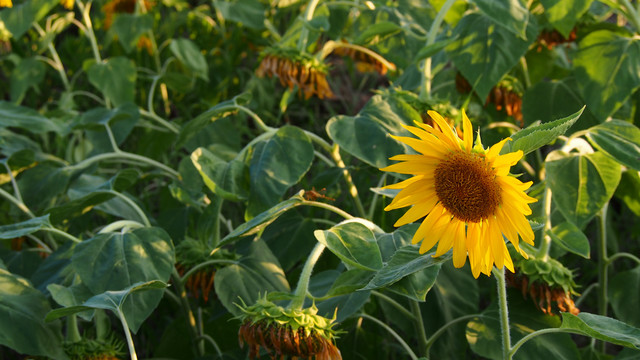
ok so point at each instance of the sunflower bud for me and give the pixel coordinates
(549, 284)
(287, 332)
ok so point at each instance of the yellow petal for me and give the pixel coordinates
(416, 212)
(459, 246)
(467, 132)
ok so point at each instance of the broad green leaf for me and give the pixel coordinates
(581, 184)
(353, 243)
(548, 100)
(225, 108)
(628, 190)
(28, 73)
(619, 139)
(484, 336)
(120, 120)
(484, 53)
(564, 14)
(115, 78)
(378, 29)
(277, 164)
(623, 291)
(343, 301)
(115, 261)
(109, 300)
(535, 136)
(25, 227)
(71, 296)
(11, 143)
(350, 281)
(510, 14)
(22, 312)
(16, 116)
(256, 273)
(569, 237)
(228, 179)
(607, 70)
(404, 262)
(290, 237)
(130, 27)
(19, 19)
(40, 184)
(249, 13)
(262, 220)
(603, 328)
(367, 135)
(188, 53)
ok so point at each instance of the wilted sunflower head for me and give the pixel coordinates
(464, 193)
(549, 284)
(294, 68)
(287, 332)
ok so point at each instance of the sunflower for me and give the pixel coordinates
(6, 3)
(465, 193)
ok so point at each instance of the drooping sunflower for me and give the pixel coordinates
(465, 194)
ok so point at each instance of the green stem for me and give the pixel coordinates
(84, 10)
(62, 233)
(632, 14)
(17, 203)
(406, 346)
(504, 313)
(153, 116)
(538, 333)
(73, 335)
(543, 251)
(393, 303)
(121, 224)
(603, 261)
(419, 325)
(205, 264)
(124, 155)
(127, 333)
(425, 90)
(134, 206)
(623, 255)
(445, 327)
(57, 63)
(329, 207)
(353, 190)
(308, 16)
(303, 282)
(191, 320)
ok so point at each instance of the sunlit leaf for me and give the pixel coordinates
(564, 14)
(607, 70)
(569, 237)
(509, 14)
(353, 243)
(603, 328)
(619, 139)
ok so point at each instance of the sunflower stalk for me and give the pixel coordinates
(504, 313)
(308, 16)
(303, 282)
(425, 89)
(543, 251)
(603, 261)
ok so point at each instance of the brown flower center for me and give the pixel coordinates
(467, 187)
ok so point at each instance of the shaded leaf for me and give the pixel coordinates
(190, 56)
(23, 228)
(129, 28)
(12, 115)
(353, 243)
(510, 14)
(28, 73)
(228, 179)
(603, 328)
(115, 78)
(569, 237)
(619, 139)
(249, 13)
(623, 290)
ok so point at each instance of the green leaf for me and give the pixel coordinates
(130, 27)
(569, 237)
(25, 227)
(366, 136)
(262, 220)
(40, 184)
(115, 78)
(619, 139)
(603, 328)
(628, 190)
(228, 179)
(535, 136)
(483, 53)
(607, 70)
(109, 300)
(432, 49)
(510, 14)
(24, 118)
(404, 262)
(378, 29)
(71, 296)
(188, 53)
(256, 273)
(484, 334)
(28, 73)
(349, 281)
(115, 261)
(581, 184)
(353, 243)
(555, 99)
(276, 165)
(290, 237)
(349, 302)
(22, 310)
(19, 19)
(564, 14)
(249, 13)
(623, 291)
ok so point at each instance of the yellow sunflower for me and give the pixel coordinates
(6, 3)
(469, 200)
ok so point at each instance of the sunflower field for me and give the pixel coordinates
(319, 179)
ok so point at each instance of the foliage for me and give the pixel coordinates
(169, 160)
